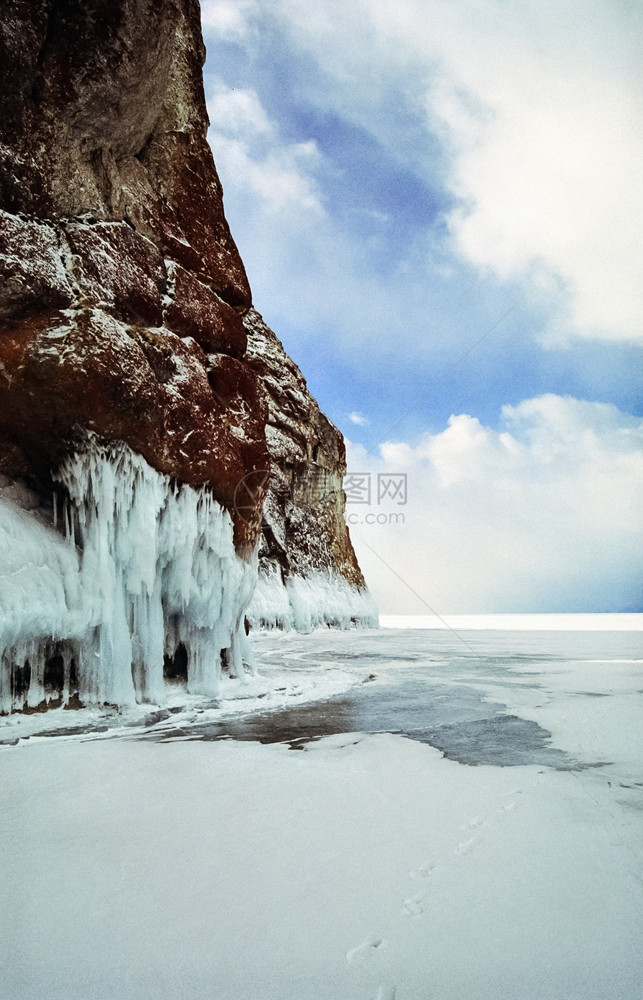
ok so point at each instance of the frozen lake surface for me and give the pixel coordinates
(453, 691)
(464, 819)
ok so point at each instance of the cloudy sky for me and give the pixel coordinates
(440, 209)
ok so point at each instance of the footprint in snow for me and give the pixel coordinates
(365, 949)
(414, 906)
(467, 845)
(385, 993)
(424, 871)
(510, 806)
(474, 823)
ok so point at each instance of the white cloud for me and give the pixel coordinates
(293, 249)
(358, 418)
(534, 109)
(227, 19)
(257, 164)
(238, 112)
(537, 106)
(541, 515)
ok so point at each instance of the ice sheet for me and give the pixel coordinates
(362, 866)
(540, 622)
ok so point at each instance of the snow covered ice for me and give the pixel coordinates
(167, 861)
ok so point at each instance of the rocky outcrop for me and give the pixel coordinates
(303, 518)
(120, 285)
(126, 331)
(308, 572)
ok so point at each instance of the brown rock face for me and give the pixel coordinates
(120, 286)
(127, 333)
(103, 112)
(304, 530)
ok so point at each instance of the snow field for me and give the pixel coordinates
(628, 622)
(364, 866)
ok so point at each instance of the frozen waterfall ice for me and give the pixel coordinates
(135, 574)
(143, 566)
(304, 603)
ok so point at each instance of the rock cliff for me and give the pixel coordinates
(137, 385)
(308, 573)
(121, 285)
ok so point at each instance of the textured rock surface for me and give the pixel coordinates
(120, 285)
(304, 530)
(125, 311)
(103, 113)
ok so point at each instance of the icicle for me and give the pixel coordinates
(155, 567)
(307, 602)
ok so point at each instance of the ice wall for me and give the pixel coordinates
(306, 602)
(142, 566)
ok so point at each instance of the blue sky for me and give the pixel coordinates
(399, 178)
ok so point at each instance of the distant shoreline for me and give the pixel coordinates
(599, 622)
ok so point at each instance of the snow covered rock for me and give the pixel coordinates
(128, 386)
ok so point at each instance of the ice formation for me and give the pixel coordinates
(143, 566)
(307, 602)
